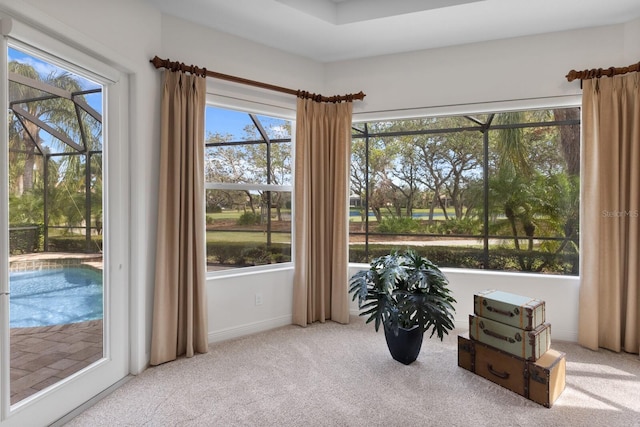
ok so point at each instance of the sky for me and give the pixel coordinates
(45, 69)
(223, 121)
(217, 120)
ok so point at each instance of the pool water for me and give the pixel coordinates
(54, 297)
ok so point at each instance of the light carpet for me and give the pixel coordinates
(342, 375)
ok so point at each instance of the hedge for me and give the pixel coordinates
(75, 244)
(473, 258)
(25, 238)
(239, 254)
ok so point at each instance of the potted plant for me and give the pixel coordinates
(408, 295)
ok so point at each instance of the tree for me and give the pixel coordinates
(44, 123)
(358, 176)
(406, 173)
(257, 159)
(57, 112)
(369, 180)
(570, 138)
(450, 163)
(531, 188)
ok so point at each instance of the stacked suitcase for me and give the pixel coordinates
(509, 343)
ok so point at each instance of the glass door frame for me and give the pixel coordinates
(59, 399)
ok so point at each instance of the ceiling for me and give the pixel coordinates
(334, 30)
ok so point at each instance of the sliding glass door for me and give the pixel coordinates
(64, 300)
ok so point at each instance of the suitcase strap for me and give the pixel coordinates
(502, 337)
(503, 312)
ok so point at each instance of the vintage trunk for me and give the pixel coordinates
(515, 310)
(529, 345)
(502, 368)
(541, 381)
(547, 377)
(466, 353)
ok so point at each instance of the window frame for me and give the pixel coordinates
(271, 111)
(360, 131)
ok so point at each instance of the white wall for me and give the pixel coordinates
(631, 44)
(223, 53)
(458, 78)
(233, 309)
(455, 79)
(560, 294)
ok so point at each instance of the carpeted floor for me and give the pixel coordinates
(342, 375)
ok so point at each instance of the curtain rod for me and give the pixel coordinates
(180, 66)
(596, 73)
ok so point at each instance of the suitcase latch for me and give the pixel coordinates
(537, 378)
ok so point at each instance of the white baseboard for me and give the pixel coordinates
(249, 328)
(563, 335)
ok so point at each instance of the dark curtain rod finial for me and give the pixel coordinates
(596, 73)
(179, 66)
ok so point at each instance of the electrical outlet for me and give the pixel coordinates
(258, 299)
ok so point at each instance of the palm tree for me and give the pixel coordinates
(49, 115)
(533, 202)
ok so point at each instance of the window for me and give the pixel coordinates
(55, 160)
(248, 189)
(490, 191)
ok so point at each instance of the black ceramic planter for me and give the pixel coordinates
(405, 346)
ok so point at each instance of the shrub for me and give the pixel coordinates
(460, 226)
(223, 253)
(473, 258)
(402, 225)
(240, 254)
(25, 238)
(257, 256)
(75, 244)
(249, 218)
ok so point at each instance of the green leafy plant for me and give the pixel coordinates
(399, 225)
(405, 290)
(249, 218)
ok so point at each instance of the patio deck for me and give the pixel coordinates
(44, 355)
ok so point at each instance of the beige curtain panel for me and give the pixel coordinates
(180, 302)
(322, 159)
(609, 312)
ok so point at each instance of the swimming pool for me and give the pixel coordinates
(54, 297)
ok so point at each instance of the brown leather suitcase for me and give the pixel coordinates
(547, 377)
(541, 381)
(466, 353)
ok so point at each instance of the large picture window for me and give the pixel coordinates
(487, 191)
(248, 189)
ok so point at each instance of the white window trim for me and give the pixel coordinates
(267, 105)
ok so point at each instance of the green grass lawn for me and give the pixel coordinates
(233, 214)
(354, 214)
(246, 236)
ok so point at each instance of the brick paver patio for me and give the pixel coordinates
(44, 355)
